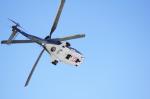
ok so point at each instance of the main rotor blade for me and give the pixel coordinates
(70, 37)
(16, 41)
(57, 17)
(33, 68)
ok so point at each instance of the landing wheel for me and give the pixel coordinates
(55, 62)
(76, 65)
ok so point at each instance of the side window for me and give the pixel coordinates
(77, 60)
(53, 49)
(68, 56)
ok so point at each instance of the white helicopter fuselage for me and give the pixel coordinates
(58, 48)
(64, 54)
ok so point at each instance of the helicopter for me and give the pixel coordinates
(58, 48)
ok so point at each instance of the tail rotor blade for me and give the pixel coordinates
(33, 68)
(17, 24)
(57, 17)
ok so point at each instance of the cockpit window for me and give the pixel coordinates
(68, 56)
(58, 42)
(75, 50)
(77, 60)
(54, 41)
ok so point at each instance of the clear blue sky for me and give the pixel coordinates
(116, 47)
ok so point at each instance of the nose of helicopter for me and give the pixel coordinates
(79, 61)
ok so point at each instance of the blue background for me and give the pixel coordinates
(116, 50)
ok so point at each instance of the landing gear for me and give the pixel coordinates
(54, 62)
(76, 65)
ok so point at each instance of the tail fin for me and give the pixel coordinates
(14, 31)
(13, 35)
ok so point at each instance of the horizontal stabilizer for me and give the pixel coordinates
(76, 36)
(16, 41)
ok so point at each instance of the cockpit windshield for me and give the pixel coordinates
(75, 50)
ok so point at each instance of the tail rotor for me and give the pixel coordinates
(16, 24)
(14, 31)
